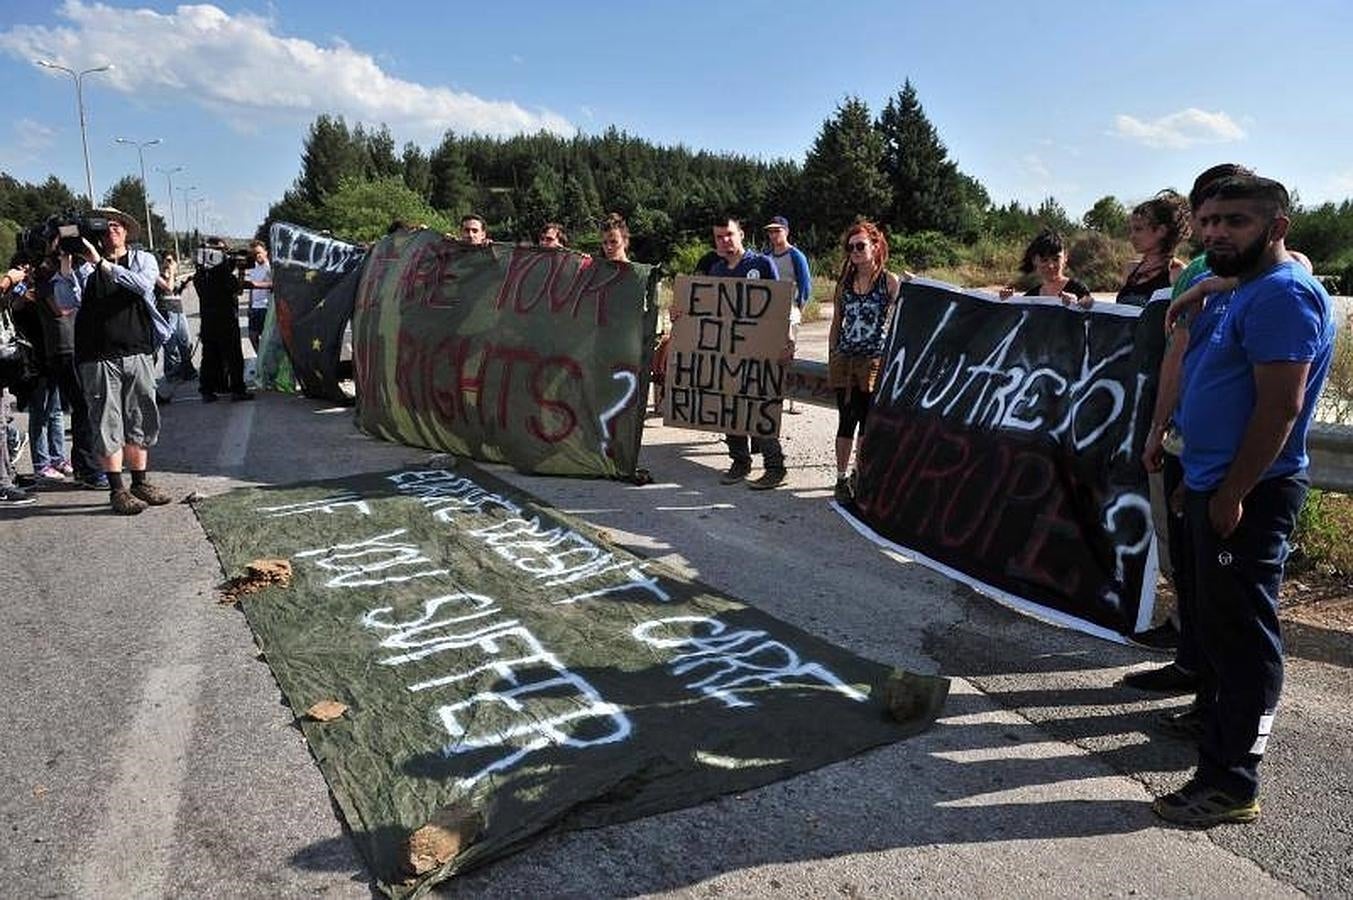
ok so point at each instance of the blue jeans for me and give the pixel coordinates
(1240, 674)
(46, 427)
(178, 360)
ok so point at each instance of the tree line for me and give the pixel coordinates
(893, 168)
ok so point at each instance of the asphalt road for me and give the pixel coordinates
(147, 752)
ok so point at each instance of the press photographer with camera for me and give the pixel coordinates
(217, 282)
(14, 281)
(113, 289)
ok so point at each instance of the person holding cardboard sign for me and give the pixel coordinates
(735, 261)
(866, 294)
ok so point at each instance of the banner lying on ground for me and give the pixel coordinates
(724, 371)
(500, 664)
(531, 356)
(314, 277)
(1003, 447)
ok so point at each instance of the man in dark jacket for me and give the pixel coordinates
(218, 290)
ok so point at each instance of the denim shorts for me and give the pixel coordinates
(121, 396)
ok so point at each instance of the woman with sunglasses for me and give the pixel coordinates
(861, 309)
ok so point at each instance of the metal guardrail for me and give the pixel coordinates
(1330, 446)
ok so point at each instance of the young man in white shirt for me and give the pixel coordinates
(259, 282)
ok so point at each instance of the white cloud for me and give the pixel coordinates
(1033, 164)
(26, 141)
(239, 65)
(1180, 129)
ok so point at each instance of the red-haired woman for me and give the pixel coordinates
(861, 309)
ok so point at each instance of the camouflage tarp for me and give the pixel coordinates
(535, 357)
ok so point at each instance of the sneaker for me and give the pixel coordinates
(50, 473)
(1163, 638)
(65, 468)
(771, 478)
(94, 481)
(124, 504)
(1169, 679)
(843, 494)
(736, 472)
(1186, 724)
(15, 496)
(1196, 805)
(152, 495)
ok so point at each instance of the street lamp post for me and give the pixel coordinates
(79, 78)
(145, 191)
(173, 224)
(187, 217)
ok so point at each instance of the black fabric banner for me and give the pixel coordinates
(314, 287)
(498, 658)
(1004, 447)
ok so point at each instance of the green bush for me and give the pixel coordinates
(1098, 260)
(686, 254)
(923, 250)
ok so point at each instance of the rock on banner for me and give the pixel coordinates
(1004, 449)
(535, 357)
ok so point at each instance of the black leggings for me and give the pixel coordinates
(853, 406)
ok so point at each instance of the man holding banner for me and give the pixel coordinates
(1244, 415)
(735, 261)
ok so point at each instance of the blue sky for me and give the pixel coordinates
(1070, 99)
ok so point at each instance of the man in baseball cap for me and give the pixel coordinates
(791, 265)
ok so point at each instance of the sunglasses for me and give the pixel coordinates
(857, 245)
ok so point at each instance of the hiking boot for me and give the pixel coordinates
(15, 496)
(1196, 805)
(124, 504)
(736, 472)
(771, 478)
(152, 495)
(1169, 679)
(843, 494)
(1187, 723)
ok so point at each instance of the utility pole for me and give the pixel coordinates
(78, 78)
(173, 225)
(145, 190)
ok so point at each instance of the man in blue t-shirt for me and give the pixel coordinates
(792, 266)
(1249, 393)
(735, 261)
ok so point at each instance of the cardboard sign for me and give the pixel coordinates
(724, 371)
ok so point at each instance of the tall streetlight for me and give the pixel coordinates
(173, 224)
(145, 191)
(79, 78)
(197, 213)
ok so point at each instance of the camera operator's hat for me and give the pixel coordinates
(132, 227)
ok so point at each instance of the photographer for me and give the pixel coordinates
(218, 287)
(10, 494)
(178, 350)
(114, 291)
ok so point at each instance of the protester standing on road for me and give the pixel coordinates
(792, 266)
(1046, 256)
(258, 281)
(1244, 415)
(114, 289)
(866, 294)
(735, 261)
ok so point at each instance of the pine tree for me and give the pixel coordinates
(927, 193)
(331, 154)
(380, 160)
(416, 170)
(842, 176)
(452, 188)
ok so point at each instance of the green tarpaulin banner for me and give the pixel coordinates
(500, 660)
(536, 357)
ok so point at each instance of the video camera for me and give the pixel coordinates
(69, 229)
(211, 257)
